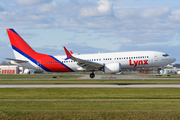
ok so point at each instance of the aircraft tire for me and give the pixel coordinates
(92, 75)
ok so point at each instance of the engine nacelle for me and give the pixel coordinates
(112, 68)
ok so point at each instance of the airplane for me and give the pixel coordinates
(113, 62)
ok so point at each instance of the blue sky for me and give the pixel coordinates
(91, 26)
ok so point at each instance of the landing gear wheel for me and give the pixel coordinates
(92, 75)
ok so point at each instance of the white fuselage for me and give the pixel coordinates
(135, 59)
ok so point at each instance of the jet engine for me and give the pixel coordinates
(112, 68)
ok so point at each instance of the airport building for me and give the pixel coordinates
(9, 69)
(170, 69)
(173, 70)
(13, 69)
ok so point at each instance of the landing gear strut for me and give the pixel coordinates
(92, 75)
(159, 72)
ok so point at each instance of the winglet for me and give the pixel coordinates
(68, 54)
(71, 52)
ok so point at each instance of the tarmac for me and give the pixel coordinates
(124, 77)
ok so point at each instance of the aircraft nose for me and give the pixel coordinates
(173, 59)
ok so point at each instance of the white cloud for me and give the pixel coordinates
(31, 2)
(127, 41)
(126, 13)
(157, 12)
(175, 41)
(41, 26)
(48, 7)
(175, 15)
(103, 7)
(84, 49)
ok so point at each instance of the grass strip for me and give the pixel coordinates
(89, 93)
(90, 100)
(98, 110)
(89, 103)
(41, 76)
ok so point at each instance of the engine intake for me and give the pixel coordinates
(112, 68)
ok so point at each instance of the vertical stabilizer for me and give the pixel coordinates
(20, 47)
(28, 58)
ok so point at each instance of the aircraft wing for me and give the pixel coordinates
(16, 60)
(84, 63)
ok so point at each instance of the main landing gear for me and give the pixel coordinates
(92, 75)
(159, 74)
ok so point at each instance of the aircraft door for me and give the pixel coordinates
(155, 57)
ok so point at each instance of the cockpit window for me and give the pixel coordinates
(165, 55)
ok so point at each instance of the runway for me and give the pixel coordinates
(123, 77)
(134, 85)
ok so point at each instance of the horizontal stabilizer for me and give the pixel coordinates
(16, 60)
